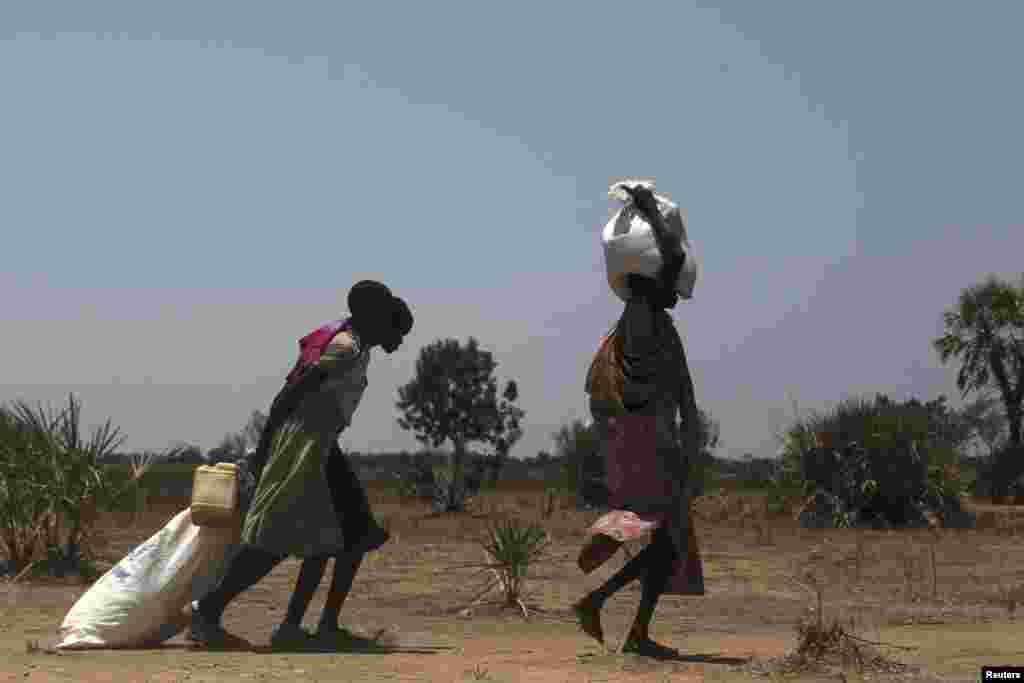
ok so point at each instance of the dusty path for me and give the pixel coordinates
(409, 589)
(413, 649)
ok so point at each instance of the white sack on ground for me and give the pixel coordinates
(141, 600)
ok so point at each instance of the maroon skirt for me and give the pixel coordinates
(641, 497)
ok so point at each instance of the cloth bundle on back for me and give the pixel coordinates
(637, 383)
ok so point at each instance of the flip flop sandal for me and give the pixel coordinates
(290, 635)
(648, 648)
(209, 635)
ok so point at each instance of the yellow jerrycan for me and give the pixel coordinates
(215, 496)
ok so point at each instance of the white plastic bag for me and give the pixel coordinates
(141, 600)
(630, 245)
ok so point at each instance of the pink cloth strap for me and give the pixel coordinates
(312, 346)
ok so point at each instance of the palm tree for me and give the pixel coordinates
(985, 332)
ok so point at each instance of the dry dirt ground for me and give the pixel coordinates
(760, 575)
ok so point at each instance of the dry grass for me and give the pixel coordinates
(826, 644)
(881, 580)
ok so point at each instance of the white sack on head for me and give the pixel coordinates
(630, 246)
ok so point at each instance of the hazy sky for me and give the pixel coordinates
(184, 193)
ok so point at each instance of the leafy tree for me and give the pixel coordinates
(253, 429)
(703, 473)
(454, 397)
(985, 422)
(506, 433)
(984, 331)
(180, 453)
(709, 432)
(582, 465)
(233, 446)
(230, 449)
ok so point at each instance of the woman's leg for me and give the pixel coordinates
(655, 582)
(345, 568)
(634, 569)
(588, 610)
(247, 569)
(310, 574)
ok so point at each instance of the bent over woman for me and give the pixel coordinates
(308, 502)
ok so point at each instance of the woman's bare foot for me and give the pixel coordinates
(588, 613)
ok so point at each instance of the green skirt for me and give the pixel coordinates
(291, 511)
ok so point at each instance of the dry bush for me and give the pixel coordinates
(823, 643)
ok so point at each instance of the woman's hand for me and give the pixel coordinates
(669, 245)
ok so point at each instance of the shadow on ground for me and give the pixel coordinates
(683, 657)
(347, 643)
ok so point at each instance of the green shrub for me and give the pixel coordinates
(878, 458)
(705, 475)
(511, 548)
(52, 483)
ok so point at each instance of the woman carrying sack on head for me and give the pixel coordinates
(637, 383)
(308, 502)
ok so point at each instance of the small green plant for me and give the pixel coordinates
(841, 520)
(510, 549)
(513, 547)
